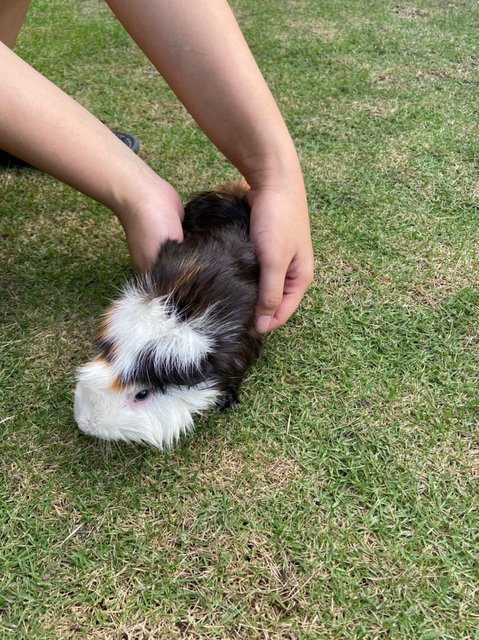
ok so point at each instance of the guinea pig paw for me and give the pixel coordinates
(229, 400)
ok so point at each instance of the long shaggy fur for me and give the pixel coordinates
(185, 328)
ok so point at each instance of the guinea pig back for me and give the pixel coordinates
(180, 339)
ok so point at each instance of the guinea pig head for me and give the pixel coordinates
(152, 374)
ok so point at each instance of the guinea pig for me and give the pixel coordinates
(179, 340)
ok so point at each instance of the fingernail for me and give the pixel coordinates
(262, 323)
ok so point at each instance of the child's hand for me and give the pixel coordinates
(154, 217)
(281, 236)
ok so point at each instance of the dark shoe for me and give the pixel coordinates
(129, 140)
(8, 161)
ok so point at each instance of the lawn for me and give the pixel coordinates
(340, 499)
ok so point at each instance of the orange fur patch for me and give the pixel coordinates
(104, 323)
(236, 189)
(116, 385)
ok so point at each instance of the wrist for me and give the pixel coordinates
(148, 192)
(273, 170)
(154, 216)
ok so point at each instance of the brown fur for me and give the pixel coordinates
(213, 273)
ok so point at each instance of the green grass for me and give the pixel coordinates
(340, 499)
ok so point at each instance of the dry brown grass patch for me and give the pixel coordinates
(312, 30)
(408, 12)
(243, 474)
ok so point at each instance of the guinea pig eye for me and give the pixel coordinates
(142, 395)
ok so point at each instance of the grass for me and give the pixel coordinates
(340, 499)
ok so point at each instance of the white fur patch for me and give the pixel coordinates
(136, 323)
(110, 414)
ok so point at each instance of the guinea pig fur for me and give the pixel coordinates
(180, 339)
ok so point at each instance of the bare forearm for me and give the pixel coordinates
(199, 49)
(42, 125)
